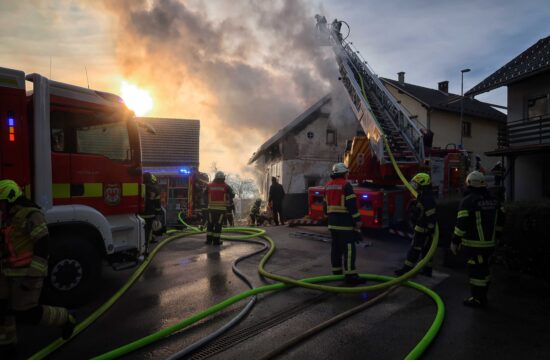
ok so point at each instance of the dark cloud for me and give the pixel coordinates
(258, 62)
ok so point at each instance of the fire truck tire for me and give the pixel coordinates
(74, 271)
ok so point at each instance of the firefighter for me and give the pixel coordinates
(24, 252)
(344, 222)
(153, 209)
(255, 212)
(219, 196)
(478, 225)
(423, 220)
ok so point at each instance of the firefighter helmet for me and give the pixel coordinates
(422, 179)
(339, 168)
(149, 178)
(476, 179)
(9, 190)
(219, 175)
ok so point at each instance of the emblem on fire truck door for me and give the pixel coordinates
(112, 194)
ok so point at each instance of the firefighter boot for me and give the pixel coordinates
(68, 329)
(475, 303)
(352, 280)
(403, 270)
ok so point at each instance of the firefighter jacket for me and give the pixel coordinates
(25, 248)
(341, 205)
(152, 201)
(423, 213)
(219, 195)
(479, 220)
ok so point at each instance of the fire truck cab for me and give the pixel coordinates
(76, 153)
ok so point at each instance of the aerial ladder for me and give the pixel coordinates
(379, 114)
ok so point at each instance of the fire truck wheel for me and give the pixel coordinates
(74, 271)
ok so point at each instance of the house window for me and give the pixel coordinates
(466, 129)
(331, 137)
(537, 106)
(310, 135)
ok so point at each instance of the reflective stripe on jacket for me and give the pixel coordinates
(341, 205)
(218, 196)
(21, 236)
(479, 219)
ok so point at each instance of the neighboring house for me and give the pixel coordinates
(301, 154)
(526, 142)
(170, 151)
(439, 111)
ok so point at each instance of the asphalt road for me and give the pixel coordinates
(188, 276)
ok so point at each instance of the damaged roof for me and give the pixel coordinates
(436, 99)
(302, 120)
(175, 143)
(532, 61)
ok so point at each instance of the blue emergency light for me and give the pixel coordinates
(184, 171)
(317, 193)
(365, 196)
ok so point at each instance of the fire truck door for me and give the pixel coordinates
(103, 166)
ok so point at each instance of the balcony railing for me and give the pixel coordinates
(530, 131)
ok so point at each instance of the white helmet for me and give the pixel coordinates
(339, 168)
(219, 175)
(476, 179)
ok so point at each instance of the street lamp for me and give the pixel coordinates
(462, 104)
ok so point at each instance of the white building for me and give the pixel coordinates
(301, 154)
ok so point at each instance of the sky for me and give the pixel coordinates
(247, 68)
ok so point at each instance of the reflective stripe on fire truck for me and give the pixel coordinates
(63, 191)
(130, 189)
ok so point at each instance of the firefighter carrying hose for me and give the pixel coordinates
(478, 225)
(344, 222)
(153, 209)
(219, 199)
(24, 252)
(423, 219)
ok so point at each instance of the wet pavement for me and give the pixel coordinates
(188, 276)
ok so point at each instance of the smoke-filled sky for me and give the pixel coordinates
(247, 68)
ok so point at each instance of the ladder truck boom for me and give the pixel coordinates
(376, 109)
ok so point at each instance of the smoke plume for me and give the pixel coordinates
(245, 69)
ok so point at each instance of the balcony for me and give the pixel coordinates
(530, 131)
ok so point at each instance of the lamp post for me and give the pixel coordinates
(462, 104)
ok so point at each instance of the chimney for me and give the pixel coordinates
(401, 77)
(443, 86)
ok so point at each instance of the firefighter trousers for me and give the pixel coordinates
(343, 252)
(19, 298)
(479, 271)
(420, 245)
(214, 226)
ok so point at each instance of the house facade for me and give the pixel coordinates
(439, 111)
(302, 153)
(525, 141)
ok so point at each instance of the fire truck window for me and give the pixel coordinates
(110, 140)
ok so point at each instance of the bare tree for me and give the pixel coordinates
(244, 188)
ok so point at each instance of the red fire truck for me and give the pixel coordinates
(76, 153)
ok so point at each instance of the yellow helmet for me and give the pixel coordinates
(9, 190)
(422, 179)
(476, 179)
